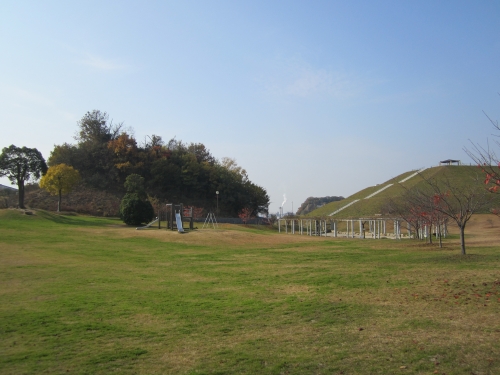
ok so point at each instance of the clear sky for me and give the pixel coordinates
(312, 98)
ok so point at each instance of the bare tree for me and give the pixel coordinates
(487, 160)
(402, 208)
(444, 199)
(417, 216)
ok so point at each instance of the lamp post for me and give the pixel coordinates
(217, 195)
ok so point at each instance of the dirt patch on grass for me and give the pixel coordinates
(204, 237)
(483, 230)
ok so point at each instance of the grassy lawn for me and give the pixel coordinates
(90, 296)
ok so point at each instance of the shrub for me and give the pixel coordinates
(134, 210)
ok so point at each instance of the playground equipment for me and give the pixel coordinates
(181, 214)
(210, 219)
(178, 221)
(175, 215)
(149, 225)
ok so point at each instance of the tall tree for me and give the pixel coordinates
(60, 179)
(96, 127)
(21, 165)
(91, 156)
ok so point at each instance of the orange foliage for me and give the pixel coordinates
(245, 214)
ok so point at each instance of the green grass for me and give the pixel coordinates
(90, 296)
(458, 176)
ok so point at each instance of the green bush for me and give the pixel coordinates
(134, 210)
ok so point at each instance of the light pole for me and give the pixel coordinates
(217, 195)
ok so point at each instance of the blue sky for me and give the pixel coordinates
(312, 98)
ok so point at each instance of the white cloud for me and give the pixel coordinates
(297, 79)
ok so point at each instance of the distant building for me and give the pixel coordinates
(450, 162)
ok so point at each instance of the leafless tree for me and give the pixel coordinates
(402, 208)
(445, 199)
(487, 160)
(417, 215)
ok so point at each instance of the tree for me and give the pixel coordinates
(60, 179)
(91, 156)
(95, 127)
(21, 165)
(233, 167)
(175, 171)
(404, 209)
(135, 209)
(135, 184)
(125, 154)
(489, 163)
(442, 198)
(419, 213)
(245, 214)
(201, 152)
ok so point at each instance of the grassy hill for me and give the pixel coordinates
(370, 206)
(82, 199)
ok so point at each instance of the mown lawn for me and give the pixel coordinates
(90, 296)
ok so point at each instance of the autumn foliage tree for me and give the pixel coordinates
(60, 179)
(245, 214)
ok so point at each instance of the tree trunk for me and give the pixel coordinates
(20, 193)
(59, 201)
(462, 239)
(440, 239)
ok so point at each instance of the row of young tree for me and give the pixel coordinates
(435, 203)
(105, 154)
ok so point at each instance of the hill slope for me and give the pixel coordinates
(370, 201)
(312, 203)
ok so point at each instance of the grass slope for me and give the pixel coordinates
(459, 175)
(90, 296)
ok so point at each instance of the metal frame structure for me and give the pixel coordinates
(377, 228)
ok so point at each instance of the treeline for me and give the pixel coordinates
(311, 203)
(174, 171)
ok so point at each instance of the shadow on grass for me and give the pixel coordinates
(75, 220)
(460, 259)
